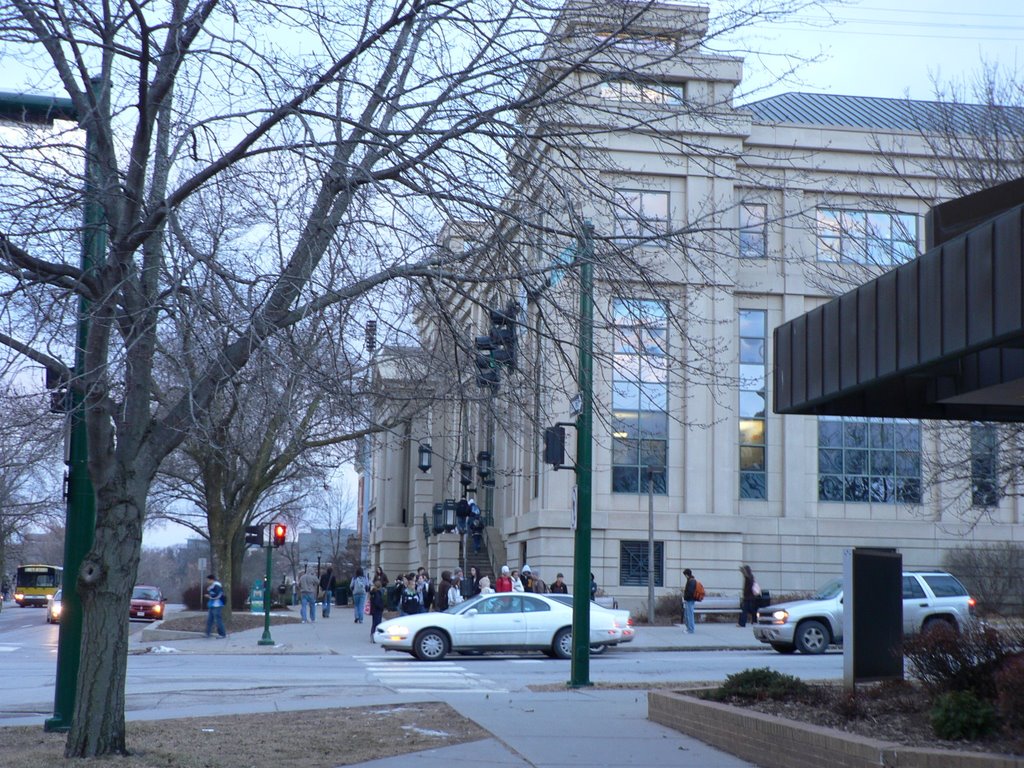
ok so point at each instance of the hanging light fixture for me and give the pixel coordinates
(426, 455)
(483, 464)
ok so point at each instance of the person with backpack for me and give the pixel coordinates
(690, 599)
(748, 598)
(360, 586)
(443, 590)
(408, 601)
(214, 604)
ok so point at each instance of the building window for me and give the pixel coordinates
(639, 395)
(875, 460)
(638, 43)
(633, 563)
(643, 91)
(640, 214)
(866, 237)
(753, 367)
(753, 231)
(984, 465)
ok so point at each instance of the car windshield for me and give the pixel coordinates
(56, 596)
(829, 589)
(142, 593)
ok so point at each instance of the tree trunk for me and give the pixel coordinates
(104, 584)
(221, 568)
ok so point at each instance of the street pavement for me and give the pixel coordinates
(572, 727)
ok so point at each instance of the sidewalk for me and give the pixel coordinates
(582, 727)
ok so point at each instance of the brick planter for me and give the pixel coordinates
(774, 742)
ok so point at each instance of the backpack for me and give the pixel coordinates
(698, 592)
(410, 604)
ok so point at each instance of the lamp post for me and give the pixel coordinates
(318, 552)
(580, 665)
(80, 520)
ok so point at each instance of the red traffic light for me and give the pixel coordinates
(280, 530)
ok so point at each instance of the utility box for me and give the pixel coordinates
(256, 596)
(872, 615)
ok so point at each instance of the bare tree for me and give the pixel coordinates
(30, 465)
(251, 184)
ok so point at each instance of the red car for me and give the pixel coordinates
(147, 603)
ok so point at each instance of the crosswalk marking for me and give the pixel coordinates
(408, 676)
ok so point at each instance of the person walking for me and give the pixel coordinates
(689, 600)
(214, 604)
(308, 585)
(376, 606)
(327, 585)
(526, 579)
(748, 598)
(443, 591)
(360, 586)
(559, 587)
(517, 583)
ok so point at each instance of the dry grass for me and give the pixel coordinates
(308, 739)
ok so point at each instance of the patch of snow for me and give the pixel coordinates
(423, 731)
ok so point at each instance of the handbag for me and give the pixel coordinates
(366, 608)
(755, 589)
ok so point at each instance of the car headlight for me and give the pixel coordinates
(158, 609)
(396, 632)
(780, 617)
(55, 610)
(19, 596)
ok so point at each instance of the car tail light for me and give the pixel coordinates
(971, 603)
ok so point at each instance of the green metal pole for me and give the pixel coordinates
(80, 526)
(267, 581)
(584, 460)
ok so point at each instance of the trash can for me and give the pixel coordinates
(341, 595)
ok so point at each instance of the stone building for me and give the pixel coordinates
(781, 203)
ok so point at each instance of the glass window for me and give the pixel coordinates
(643, 91)
(878, 238)
(875, 460)
(753, 240)
(984, 465)
(633, 556)
(641, 214)
(639, 395)
(752, 403)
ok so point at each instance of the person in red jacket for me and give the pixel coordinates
(504, 582)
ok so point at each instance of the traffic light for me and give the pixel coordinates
(498, 348)
(280, 531)
(254, 535)
(554, 446)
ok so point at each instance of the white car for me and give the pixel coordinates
(509, 621)
(623, 620)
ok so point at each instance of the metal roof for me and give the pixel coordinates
(897, 114)
(941, 337)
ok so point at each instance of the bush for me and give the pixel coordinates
(991, 573)
(760, 684)
(1010, 693)
(962, 716)
(945, 660)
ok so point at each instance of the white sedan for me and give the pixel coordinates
(510, 621)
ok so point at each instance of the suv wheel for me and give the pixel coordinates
(937, 625)
(812, 637)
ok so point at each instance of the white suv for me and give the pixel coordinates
(810, 626)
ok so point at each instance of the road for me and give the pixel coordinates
(170, 683)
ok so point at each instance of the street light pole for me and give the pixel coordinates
(80, 515)
(650, 544)
(580, 665)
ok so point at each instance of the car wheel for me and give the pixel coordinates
(937, 625)
(597, 649)
(431, 645)
(784, 647)
(812, 637)
(562, 645)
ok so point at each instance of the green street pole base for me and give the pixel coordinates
(56, 724)
(265, 640)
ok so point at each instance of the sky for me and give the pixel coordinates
(889, 49)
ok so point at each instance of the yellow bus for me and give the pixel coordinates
(34, 584)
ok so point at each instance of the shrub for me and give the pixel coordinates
(192, 597)
(759, 684)
(1010, 693)
(946, 660)
(960, 715)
